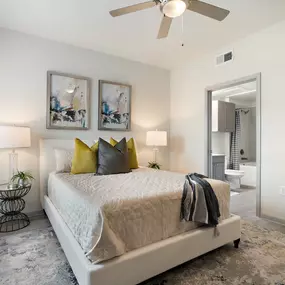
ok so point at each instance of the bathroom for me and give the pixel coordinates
(234, 136)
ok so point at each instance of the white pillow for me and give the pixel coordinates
(63, 158)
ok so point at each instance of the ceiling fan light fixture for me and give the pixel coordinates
(174, 8)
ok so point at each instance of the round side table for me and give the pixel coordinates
(11, 206)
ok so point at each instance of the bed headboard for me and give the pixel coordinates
(47, 158)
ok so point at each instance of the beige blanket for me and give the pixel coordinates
(111, 215)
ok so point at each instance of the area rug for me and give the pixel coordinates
(36, 258)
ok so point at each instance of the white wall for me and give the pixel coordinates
(24, 61)
(221, 145)
(262, 52)
(218, 143)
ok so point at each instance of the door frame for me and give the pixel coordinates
(209, 90)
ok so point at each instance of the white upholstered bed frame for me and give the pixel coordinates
(137, 265)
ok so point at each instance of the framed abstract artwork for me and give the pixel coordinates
(114, 106)
(67, 101)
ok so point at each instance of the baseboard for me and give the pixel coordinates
(36, 215)
(247, 187)
(273, 219)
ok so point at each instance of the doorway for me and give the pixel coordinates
(233, 139)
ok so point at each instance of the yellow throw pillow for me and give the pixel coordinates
(132, 152)
(84, 158)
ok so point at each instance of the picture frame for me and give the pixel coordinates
(114, 106)
(68, 101)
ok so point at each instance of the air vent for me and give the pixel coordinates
(224, 58)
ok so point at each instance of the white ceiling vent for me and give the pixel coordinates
(224, 58)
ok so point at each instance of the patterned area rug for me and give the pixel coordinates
(36, 258)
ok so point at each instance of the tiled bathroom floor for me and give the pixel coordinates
(244, 205)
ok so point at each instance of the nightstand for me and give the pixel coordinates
(11, 206)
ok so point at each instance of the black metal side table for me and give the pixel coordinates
(11, 206)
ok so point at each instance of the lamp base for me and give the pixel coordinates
(13, 164)
(155, 151)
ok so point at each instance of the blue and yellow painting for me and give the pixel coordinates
(115, 106)
(68, 102)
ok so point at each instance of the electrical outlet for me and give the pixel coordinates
(282, 190)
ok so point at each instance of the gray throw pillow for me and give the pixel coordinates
(113, 159)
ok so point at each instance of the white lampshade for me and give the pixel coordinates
(156, 138)
(15, 137)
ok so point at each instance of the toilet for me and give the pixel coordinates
(233, 177)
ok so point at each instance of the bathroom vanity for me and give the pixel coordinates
(218, 166)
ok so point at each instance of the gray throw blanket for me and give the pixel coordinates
(199, 202)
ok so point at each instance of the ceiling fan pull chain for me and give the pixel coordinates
(182, 31)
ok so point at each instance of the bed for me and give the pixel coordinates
(126, 235)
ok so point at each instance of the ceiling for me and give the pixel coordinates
(87, 24)
(238, 90)
(244, 94)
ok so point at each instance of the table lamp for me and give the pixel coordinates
(12, 137)
(155, 139)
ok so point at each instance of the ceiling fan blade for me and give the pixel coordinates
(164, 27)
(208, 10)
(133, 8)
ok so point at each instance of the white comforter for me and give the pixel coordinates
(114, 214)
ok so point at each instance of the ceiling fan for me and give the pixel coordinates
(172, 9)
